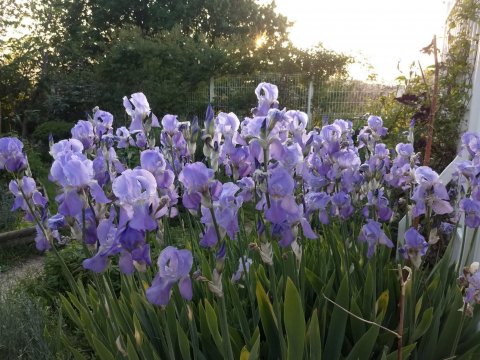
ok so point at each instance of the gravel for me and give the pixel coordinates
(32, 267)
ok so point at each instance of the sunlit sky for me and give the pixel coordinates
(379, 32)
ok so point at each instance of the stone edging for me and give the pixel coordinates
(17, 237)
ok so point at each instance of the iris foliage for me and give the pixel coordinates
(277, 241)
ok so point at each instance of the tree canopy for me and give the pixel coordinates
(74, 54)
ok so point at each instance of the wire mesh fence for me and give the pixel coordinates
(332, 99)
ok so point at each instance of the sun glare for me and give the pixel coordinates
(260, 41)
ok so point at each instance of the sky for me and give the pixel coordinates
(377, 32)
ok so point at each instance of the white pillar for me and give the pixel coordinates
(309, 102)
(212, 90)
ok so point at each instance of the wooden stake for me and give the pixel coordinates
(433, 107)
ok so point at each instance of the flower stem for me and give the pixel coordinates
(168, 337)
(265, 168)
(460, 260)
(227, 345)
(459, 331)
(401, 305)
(472, 241)
(276, 306)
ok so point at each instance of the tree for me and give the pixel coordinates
(90, 52)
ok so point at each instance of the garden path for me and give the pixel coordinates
(32, 266)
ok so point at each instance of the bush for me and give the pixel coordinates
(58, 129)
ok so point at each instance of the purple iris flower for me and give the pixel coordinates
(253, 128)
(83, 132)
(56, 222)
(131, 238)
(378, 203)
(100, 169)
(318, 201)
(138, 108)
(89, 232)
(72, 170)
(140, 139)
(227, 125)
(66, 147)
(180, 145)
(297, 125)
(288, 156)
(471, 281)
(238, 162)
(331, 136)
(284, 213)
(372, 133)
(372, 234)
(280, 183)
(32, 196)
(173, 266)
(108, 246)
(415, 247)
(153, 161)
(12, 157)
(471, 143)
(103, 122)
(247, 187)
(170, 123)
(209, 115)
(430, 192)
(379, 161)
(469, 170)
(106, 166)
(126, 241)
(136, 191)
(376, 124)
(225, 207)
(243, 268)
(316, 172)
(401, 173)
(347, 159)
(195, 178)
(342, 205)
(446, 228)
(472, 212)
(41, 242)
(267, 95)
(400, 176)
(405, 151)
(346, 127)
(123, 137)
(209, 238)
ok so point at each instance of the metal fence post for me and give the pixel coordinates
(309, 101)
(212, 89)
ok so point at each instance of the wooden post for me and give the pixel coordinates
(433, 107)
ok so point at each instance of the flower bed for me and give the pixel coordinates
(276, 242)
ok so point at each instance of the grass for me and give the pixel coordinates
(22, 324)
